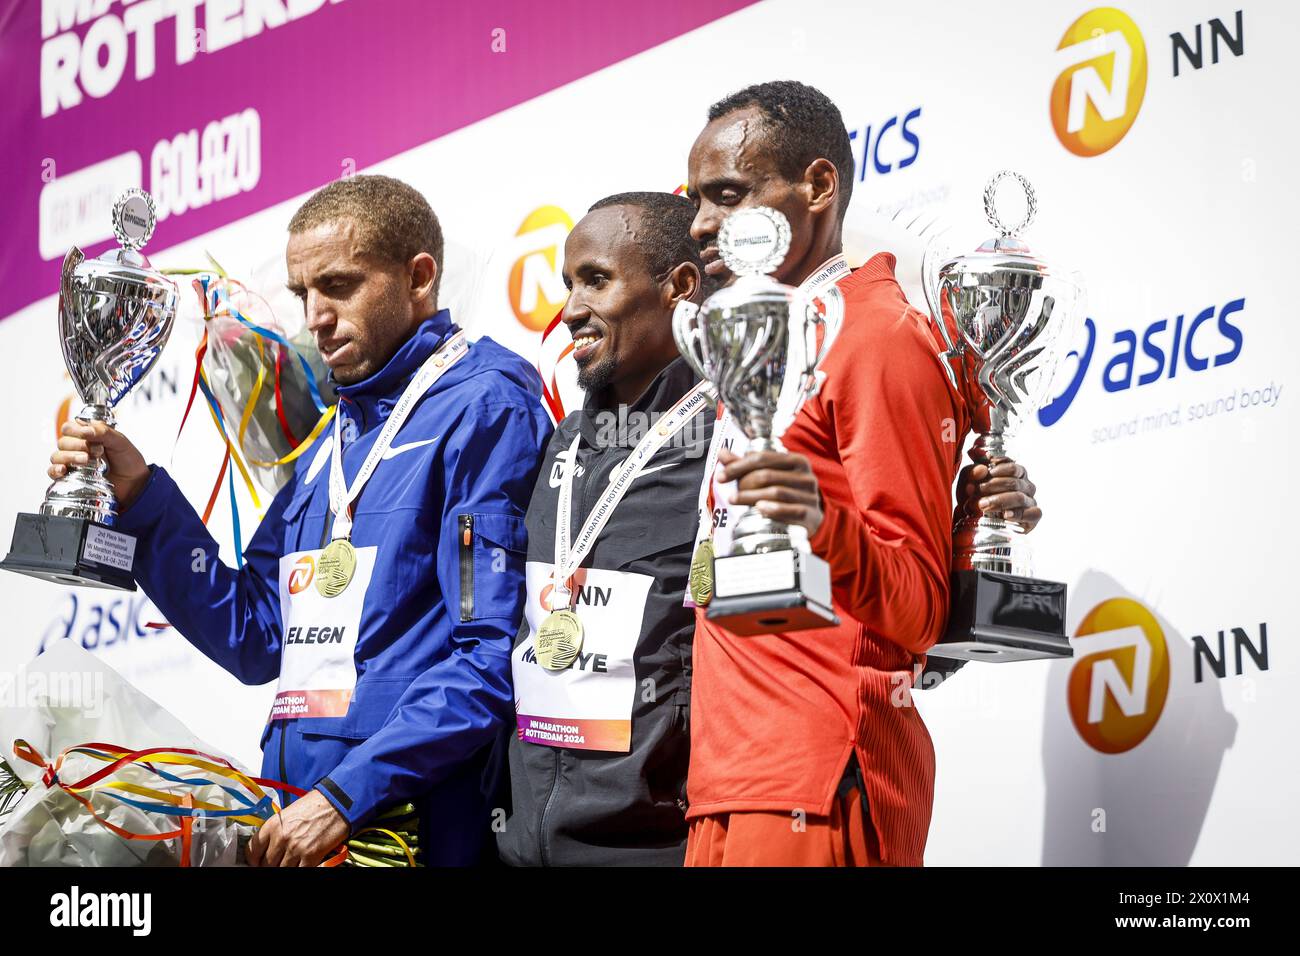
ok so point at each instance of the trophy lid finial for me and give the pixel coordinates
(134, 218)
(991, 206)
(754, 241)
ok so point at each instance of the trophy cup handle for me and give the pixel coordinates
(73, 259)
(1071, 302)
(71, 318)
(931, 262)
(690, 341)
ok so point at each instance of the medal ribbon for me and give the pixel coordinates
(341, 497)
(828, 273)
(704, 503)
(568, 557)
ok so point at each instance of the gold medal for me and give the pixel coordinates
(701, 576)
(558, 640)
(335, 567)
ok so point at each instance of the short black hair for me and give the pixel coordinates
(395, 221)
(802, 125)
(666, 221)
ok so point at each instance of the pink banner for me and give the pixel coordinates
(221, 108)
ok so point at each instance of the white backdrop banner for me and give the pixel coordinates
(1158, 150)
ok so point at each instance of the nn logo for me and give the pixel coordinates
(1098, 93)
(536, 285)
(1120, 679)
(1195, 56)
(304, 570)
(1103, 62)
(1218, 662)
(588, 594)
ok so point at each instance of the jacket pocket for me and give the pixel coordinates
(372, 704)
(295, 519)
(491, 551)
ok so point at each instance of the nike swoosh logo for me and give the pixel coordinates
(643, 472)
(396, 450)
(646, 471)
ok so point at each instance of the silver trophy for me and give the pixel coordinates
(759, 342)
(115, 315)
(1008, 309)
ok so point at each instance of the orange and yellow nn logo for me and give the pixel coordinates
(1120, 679)
(304, 569)
(536, 286)
(1103, 78)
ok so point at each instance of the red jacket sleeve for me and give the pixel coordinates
(896, 426)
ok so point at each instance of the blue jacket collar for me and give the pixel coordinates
(371, 399)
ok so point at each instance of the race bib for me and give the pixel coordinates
(588, 705)
(318, 670)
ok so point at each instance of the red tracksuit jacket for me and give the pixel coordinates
(775, 717)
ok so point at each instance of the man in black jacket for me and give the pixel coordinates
(598, 765)
(602, 660)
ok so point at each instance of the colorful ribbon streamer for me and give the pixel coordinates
(256, 804)
(215, 299)
(551, 390)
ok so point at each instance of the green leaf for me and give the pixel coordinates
(12, 788)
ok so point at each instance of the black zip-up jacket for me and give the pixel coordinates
(586, 807)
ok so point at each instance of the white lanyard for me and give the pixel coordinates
(705, 530)
(827, 274)
(569, 557)
(341, 498)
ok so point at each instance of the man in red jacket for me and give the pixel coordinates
(806, 748)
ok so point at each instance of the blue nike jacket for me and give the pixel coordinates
(427, 720)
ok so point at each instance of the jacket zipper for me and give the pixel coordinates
(283, 776)
(466, 568)
(542, 848)
(682, 724)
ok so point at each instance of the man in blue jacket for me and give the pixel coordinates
(385, 583)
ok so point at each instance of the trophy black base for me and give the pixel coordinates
(71, 551)
(771, 593)
(1000, 618)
